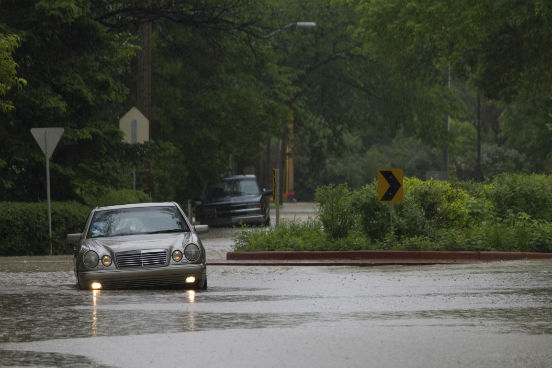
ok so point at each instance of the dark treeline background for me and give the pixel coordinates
(462, 87)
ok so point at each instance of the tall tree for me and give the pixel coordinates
(8, 68)
(498, 47)
(74, 70)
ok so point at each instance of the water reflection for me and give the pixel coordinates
(191, 314)
(191, 295)
(95, 294)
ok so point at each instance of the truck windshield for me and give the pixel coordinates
(233, 188)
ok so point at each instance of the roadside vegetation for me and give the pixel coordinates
(462, 88)
(510, 213)
(24, 225)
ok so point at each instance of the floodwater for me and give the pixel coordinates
(484, 315)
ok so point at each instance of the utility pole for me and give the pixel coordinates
(144, 71)
(143, 88)
(445, 157)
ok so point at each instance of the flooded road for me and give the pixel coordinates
(484, 315)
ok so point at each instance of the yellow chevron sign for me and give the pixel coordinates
(390, 185)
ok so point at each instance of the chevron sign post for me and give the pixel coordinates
(390, 189)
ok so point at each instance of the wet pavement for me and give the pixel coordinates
(465, 315)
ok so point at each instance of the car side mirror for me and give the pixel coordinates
(267, 192)
(200, 229)
(73, 238)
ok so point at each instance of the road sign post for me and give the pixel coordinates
(47, 139)
(276, 192)
(390, 189)
(135, 127)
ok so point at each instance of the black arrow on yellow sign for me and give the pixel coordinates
(390, 189)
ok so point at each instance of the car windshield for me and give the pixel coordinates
(233, 188)
(137, 220)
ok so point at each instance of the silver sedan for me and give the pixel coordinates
(139, 246)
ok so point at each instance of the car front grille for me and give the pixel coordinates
(142, 258)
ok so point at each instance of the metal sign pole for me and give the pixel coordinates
(47, 139)
(391, 217)
(48, 191)
(277, 188)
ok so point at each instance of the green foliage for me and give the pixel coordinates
(24, 227)
(366, 88)
(74, 69)
(8, 69)
(287, 236)
(516, 193)
(374, 216)
(295, 236)
(335, 203)
(427, 204)
(510, 214)
(210, 103)
(121, 196)
(441, 204)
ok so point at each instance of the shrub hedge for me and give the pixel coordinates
(24, 227)
(511, 213)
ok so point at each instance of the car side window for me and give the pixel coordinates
(249, 187)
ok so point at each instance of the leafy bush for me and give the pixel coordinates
(442, 205)
(427, 204)
(286, 236)
(374, 216)
(24, 227)
(336, 209)
(295, 236)
(435, 215)
(515, 193)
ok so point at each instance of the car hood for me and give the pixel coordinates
(140, 242)
(255, 198)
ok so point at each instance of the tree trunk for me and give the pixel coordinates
(143, 88)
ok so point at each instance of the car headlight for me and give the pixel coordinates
(106, 261)
(177, 256)
(91, 259)
(192, 252)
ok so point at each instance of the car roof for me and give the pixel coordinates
(137, 205)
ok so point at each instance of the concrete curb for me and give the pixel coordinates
(370, 258)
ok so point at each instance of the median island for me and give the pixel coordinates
(444, 222)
